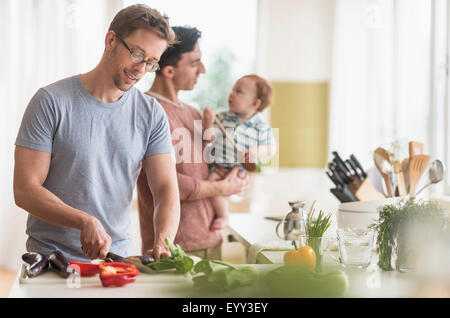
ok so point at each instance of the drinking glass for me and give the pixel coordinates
(316, 243)
(355, 246)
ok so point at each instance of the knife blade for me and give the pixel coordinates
(354, 168)
(141, 267)
(356, 162)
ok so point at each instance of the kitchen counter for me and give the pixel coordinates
(166, 284)
(251, 229)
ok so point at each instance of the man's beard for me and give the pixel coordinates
(119, 84)
(117, 77)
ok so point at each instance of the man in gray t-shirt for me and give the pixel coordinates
(83, 141)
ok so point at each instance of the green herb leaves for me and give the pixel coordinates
(404, 228)
(318, 227)
(179, 260)
(222, 276)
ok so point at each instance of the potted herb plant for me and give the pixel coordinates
(403, 228)
(315, 229)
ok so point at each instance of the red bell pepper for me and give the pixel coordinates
(117, 273)
(86, 269)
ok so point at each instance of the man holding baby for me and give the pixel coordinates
(203, 188)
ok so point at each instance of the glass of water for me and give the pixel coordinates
(355, 246)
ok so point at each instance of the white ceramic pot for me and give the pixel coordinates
(360, 214)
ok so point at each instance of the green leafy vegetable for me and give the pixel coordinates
(222, 276)
(178, 260)
(295, 281)
(318, 227)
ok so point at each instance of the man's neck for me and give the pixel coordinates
(165, 88)
(100, 85)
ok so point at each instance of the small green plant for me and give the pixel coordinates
(403, 228)
(315, 229)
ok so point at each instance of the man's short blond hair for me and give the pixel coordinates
(140, 16)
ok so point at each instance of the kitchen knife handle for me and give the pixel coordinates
(354, 168)
(356, 162)
(342, 170)
(335, 181)
(343, 195)
(340, 175)
(341, 162)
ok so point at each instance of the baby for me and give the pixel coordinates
(253, 138)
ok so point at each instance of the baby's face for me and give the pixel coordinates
(243, 96)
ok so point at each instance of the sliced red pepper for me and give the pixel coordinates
(86, 269)
(117, 273)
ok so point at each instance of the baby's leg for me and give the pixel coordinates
(220, 205)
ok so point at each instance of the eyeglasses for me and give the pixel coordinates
(138, 58)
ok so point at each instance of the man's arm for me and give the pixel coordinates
(30, 171)
(162, 180)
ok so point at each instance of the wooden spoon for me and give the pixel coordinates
(383, 163)
(417, 166)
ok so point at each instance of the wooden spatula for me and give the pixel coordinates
(400, 178)
(415, 148)
(248, 166)
(417, 166)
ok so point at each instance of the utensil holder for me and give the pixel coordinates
(363, 190)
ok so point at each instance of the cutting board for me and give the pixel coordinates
(50, 277)
(169, 276)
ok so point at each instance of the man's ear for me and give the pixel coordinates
(109, 39)
(168, 71)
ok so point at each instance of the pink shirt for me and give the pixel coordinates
(196, 215)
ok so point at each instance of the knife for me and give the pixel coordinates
(354, 168)
(341, 162)
(340, 170)
(356, 162)
(141, 267)
(336, 182)
(342, 167)
(343, 195)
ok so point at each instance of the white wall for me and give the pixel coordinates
(295, 38)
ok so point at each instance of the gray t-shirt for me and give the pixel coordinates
(96, 152)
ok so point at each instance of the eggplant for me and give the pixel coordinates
(37, 263)
(146, 259)
(59, 264)
(135, 260)
(30, 258)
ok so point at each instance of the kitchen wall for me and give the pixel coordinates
(295, 54)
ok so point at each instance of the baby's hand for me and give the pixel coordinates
(208, 117)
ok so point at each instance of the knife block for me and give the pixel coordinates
(364, 190)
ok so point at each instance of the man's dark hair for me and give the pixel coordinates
(187, 37)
